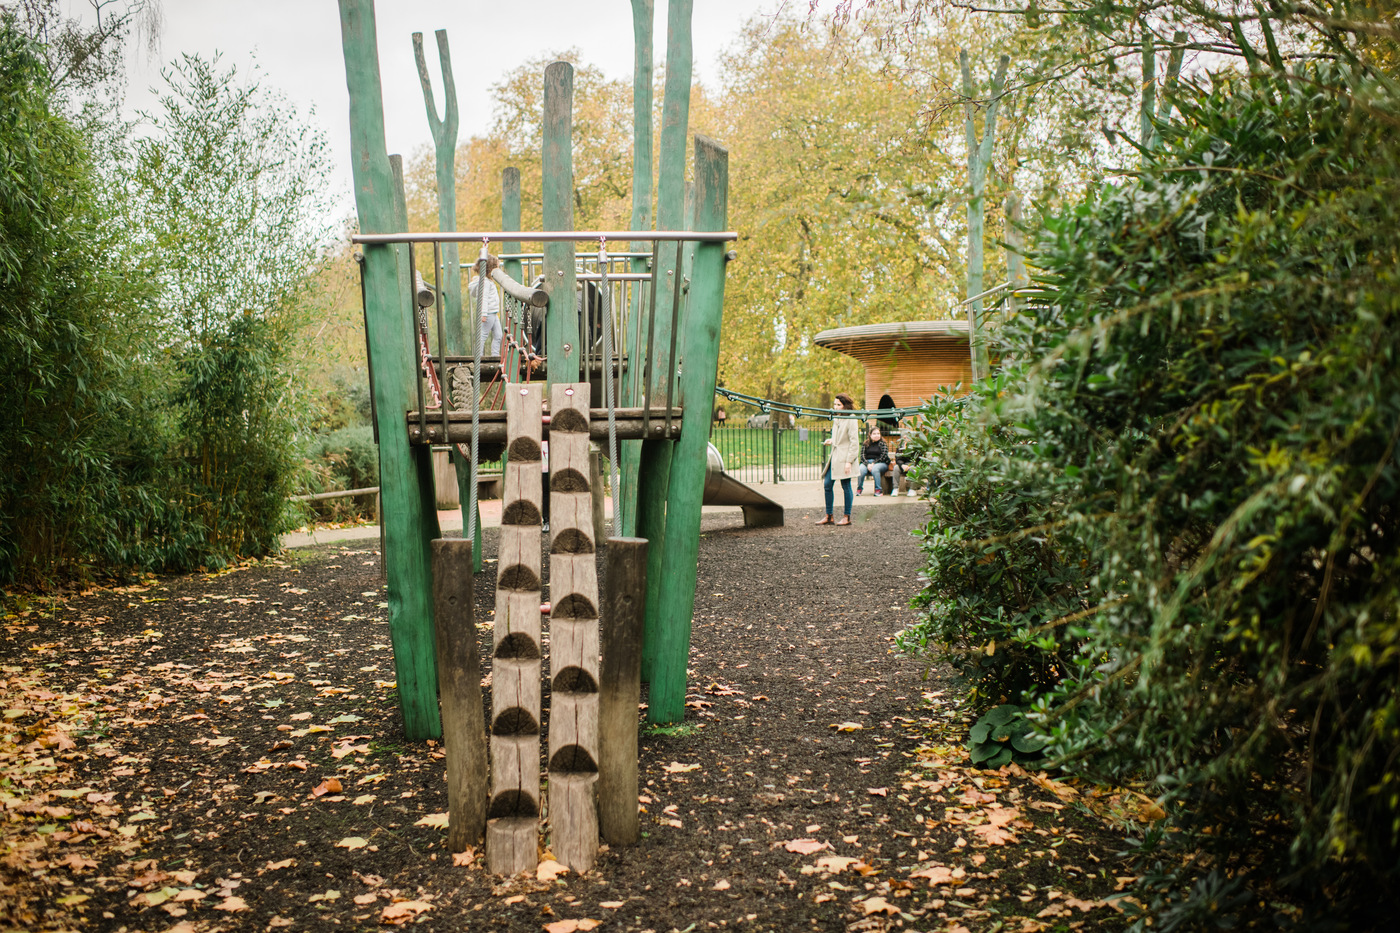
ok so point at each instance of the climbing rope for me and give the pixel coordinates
(767, 406)
(470, 533)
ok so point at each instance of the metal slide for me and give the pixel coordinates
(723, 489)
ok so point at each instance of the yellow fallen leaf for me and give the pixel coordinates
(835, 863)
(804, 846)
(435, 820)
(231, 904)
(403, 911)
(676, 767)
(363, 899)
(878, 905)
(847, 726)
(514, 899)
(612, 905)
(936, 874)
(351, 842)
(278, 866)
(549, 869)
(721, 885)
(363, 799)
(570, 926)
(191, 894)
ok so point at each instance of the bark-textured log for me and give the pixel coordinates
(573, 633)
(512, 829)
(459, 679)
(620, 689)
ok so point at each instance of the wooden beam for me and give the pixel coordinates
(620, 686)
(459, 673)
(666, 702)
(512, 827)
(407, 557)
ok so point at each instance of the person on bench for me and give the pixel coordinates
(874, 461)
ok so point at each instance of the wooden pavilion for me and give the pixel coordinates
(911, 360)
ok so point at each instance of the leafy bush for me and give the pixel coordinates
(1171, 526)
(65, 419)
(343, 459)
(1001, 736)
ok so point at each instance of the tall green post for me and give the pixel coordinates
(557, 167)
(460, 336)
(700, 337)
(654, 476)
(643, 15)
(510, 220)
(979, 159)
(408, 557)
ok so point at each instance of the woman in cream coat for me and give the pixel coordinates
(845, 447)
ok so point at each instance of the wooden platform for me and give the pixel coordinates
(427, 427)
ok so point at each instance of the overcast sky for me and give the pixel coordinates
(296, 44)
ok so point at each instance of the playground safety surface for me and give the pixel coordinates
(223, 752)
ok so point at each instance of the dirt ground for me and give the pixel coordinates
(224, 752)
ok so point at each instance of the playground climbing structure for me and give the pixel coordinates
(627, 318)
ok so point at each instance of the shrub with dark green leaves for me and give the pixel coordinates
(1003, 735)
(1172, 526)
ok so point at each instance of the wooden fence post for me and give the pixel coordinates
(620, 686)
(459, 676)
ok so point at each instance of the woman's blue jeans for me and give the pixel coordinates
(828, 482)
(876, 470)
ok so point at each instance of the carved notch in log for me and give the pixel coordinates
(512, 827)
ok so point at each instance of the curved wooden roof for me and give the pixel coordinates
(867, 341)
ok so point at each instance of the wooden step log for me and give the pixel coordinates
(573, 633)
(512, 826)
(427, 427)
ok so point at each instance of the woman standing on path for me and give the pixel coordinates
(844, 443)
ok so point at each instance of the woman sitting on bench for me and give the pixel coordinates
(874, 461)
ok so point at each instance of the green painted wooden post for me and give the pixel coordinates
(654, 479)
(408, 559)
(460, 337)
(701, 328)
(557, 165)
(510, 220)
(630, 455)
(979, 159)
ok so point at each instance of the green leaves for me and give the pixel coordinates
(1001, 736)
(1170, 528)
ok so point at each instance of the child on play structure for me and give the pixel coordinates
(844, 441)
(874, 461)
(489, 309)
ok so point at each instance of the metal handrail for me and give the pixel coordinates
(545, 236)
